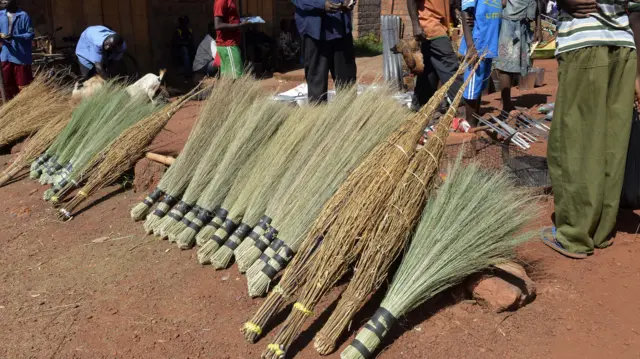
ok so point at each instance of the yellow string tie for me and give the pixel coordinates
(276, 349)
(54, 199)
(252, 327)
(82, 193)
(300, 307)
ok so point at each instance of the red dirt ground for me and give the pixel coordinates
(96, 287)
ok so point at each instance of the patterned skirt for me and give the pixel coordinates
(515, 43)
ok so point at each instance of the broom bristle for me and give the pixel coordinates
(469, 225)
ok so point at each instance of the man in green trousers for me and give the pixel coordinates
(591, 124)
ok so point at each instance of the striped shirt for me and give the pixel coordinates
(608, 27)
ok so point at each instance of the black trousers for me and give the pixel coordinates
(440, 64)
(85, 72)
(323, 57)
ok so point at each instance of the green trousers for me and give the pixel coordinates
(588, 143)
(230, 61)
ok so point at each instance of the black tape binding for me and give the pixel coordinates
(364, 351)
(377, 327)
(156, 194)
(261, 245)
(241, 232)
(269, 271)
(169, 201)
(266, 220)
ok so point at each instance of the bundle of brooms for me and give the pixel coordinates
(121, 113)
(177, 178)
(372, 182)
(367, 120)
(260, 121)
(382, 241)
(336, 256)
(248, 205)
(244, 131)
(37, 144)
(32, 109)
(89, 114)
(124, 152)
(473, 222)
(281, 175)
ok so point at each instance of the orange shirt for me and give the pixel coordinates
(434, 16)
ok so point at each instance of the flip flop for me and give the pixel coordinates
(548, 237)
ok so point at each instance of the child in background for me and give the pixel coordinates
(486, 16)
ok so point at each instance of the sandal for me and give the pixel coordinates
(548, 237)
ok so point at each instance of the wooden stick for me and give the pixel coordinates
(165, 160)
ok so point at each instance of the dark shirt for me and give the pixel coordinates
(312, 20)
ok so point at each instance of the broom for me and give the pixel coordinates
(125, 151)
(261, 120)
(130, 112)
(268, 195)
(327, 121)
(258, 183)
(380, 243)
(252, 202)
(371, 117)
(90, 114)
(247, 174)
(37, 144)
(177, 178)
(397, 149)
(471, 224)
(230, 125)
(335, 256)
(33, 109)
(109, 121)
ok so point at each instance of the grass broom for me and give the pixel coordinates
(230, 125)
(178, 176)
(370, 118)
(261, 120)
(472, 223)
(335, 256)
(129, 112)
(397, 149)
(89, 115)
(381, 243)
(261, 199)
(37, 144)
(24, 119)
(253, 201)
(124, 152)
(224, 254)
(259, 183)
(307, 160)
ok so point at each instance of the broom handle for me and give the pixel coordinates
(165, 160)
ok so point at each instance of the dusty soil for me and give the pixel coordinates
(96, 287)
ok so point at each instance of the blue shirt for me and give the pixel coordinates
(486, 28)
(312, 20)
(90, 46)
(18, 49)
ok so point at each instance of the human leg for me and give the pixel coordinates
(231, 61)
(10, 85)
(427, 81)
(23, 76)
(344, 62)
(445, 63)
(622, 70)
(577, 146)
(473, 93)
(316, 66)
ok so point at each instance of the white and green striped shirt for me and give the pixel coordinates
(609, 27)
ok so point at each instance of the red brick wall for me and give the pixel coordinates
(366, 18)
